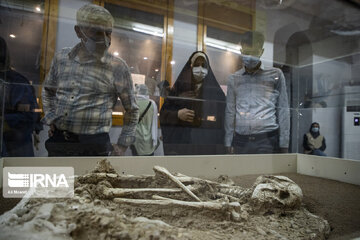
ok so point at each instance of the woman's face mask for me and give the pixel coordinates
(315, 129)
(250, 62)
(199, 73)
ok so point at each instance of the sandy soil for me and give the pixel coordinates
(88, 217)
(337, 202)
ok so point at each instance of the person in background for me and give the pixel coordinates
(257, 118)
(314, 143)
(21, 121)
(82, 88)
(192, 116)
(147, 127)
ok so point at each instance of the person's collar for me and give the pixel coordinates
(87, 57)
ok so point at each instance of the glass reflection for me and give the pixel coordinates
(81, 89)
(257, 118)
(318, 55)
(20, 120)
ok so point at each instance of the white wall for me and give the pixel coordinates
(329, 75)
(185, 39)
(66, 36)
(270, 22)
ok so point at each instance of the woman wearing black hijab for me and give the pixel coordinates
(314, 142)
(192, 117)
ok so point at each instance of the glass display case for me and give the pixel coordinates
(314, 47)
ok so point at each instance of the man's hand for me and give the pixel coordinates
(51, 130)
(230, 150)
(36, 140)
(284, 150)
(186, 115)
(118, 150)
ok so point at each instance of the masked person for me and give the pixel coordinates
(314, 142)
(257, 118)
(18, 100)
(147, 127)
(83, 86)
(192, 116)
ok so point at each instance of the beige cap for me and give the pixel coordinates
(92, 15)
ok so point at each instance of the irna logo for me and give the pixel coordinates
(36, 180)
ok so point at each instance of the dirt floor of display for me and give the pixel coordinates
(337, 202)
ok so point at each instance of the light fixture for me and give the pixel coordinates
(156, 70)
(145, 58)
(12, 35)
(151, 30)
(211, 118)
(231, 47)
(118, 113)
(116, 53)
(172, 62)
(275, 4)
(38, 9)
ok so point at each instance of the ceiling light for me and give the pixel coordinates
(116, 53)
(145, 58)
(230, 47)
(172, 62)
(12, 36)
(38, 9)
(156, 70)
(148, 29)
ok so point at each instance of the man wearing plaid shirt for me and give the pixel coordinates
(82, 88)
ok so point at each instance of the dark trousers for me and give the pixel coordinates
(262, 143)
(64, 143)
(18, 143)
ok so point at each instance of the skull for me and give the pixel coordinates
(276, 193)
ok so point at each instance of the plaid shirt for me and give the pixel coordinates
(78, 95)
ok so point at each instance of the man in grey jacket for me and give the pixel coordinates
(257, 118)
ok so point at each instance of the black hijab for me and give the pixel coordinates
(210, 101)
(210, 89)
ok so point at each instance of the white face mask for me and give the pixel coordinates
(250, 62)
(199, 73)
(96, 48)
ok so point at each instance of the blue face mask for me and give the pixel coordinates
(315, 129)
(250, 62)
